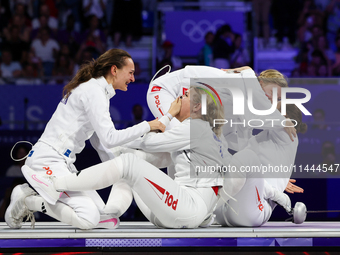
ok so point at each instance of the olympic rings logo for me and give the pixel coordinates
(196, 31)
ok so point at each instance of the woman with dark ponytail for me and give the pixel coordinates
(82, 113)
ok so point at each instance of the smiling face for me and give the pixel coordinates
(123, 76)
(268, 90)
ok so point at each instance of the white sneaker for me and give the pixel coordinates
(42, 184)
(108, 221)
(283, 200)
(17, 209)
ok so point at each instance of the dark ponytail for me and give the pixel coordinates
(97, 68)
(294, 113)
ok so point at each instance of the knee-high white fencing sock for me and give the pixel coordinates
(59, 211)
(93, 178)
(120, 199)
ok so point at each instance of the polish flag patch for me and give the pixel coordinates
(156, 88)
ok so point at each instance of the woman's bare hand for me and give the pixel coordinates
(175, 107)
(292, 188)
(156, 125)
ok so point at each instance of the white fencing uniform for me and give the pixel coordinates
(165, 89)
(75, 120)
(271, 148)
(181, 203)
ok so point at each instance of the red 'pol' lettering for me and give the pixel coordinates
(170, 201)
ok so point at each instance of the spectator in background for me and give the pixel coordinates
(329, 156)
(63, 66)
(295, 73)
(123, 28)
(43, 24)
(18, 47)
(70, 36)
(20, 9)
(51, 4)
(336, 65)
(261, 12)
(65, 50)
(96, 8)
(59, 78)
(36, 63)
(328, 54)
(9, 68)
(69, 8)
(317, 59)
(5, 15)
(96, 33)
(52, 22)
(84, 55)
(137, 112)
(311, 71)
(93, 43)
(223, 46)
(317, 32)
(327, 146)
(205, 56)
(46, 49)
(319, 122)
(305, 30)
(168, 57)
(241, 56)
(303, 60)
(333, 22)
(29, 77)
(24, 30)
(323, 71)
(285, 16)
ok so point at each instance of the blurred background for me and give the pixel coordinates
(43, 43)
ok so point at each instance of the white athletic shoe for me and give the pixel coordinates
(108, 221)
(17, 209)
(42, 184)
(283, 200)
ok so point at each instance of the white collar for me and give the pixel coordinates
(109, 90)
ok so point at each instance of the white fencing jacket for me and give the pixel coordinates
(193, 146)
(84, 112)
(276, 152)
(237, 135)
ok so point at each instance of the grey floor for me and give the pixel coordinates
(147, 230)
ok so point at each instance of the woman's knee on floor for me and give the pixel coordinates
(88, 215)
